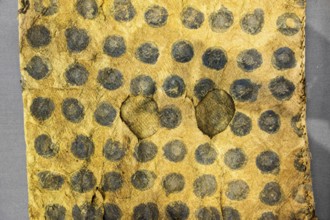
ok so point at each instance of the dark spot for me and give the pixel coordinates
(175, 151)
(221, 20)
(235, 158)
(215, 112)
(55, 212)
(295, 125)
(192, 18)
(237, 190)
(205, 185)
(299, 162)
(112, 181)
(143, 85)
(281, 88)
(51, 9)
(202, 87)
(143, 179)
(51, 181)
(301, 193)
(45, 147)
(174, 86)
(147, 211)
(76, 74)
(105, 114)
(87, 8)
(249, 60)
(173, 183)
(254, 22)
(241, 124)
(112, 212)
(268, 216)
(110, 78)
(77, 39)
(113, 150)
(38, 36)
(205, 154)
(87, 212)
(140, 114)
(177, 211)
(82, 147)
(145, 151)
(302, 213)
(269, 122)
(42, 108)
(287, 29)
(268, 162)
(73, 110)
(182, 51)
(244, 90)
(271, 194)
(83, 181)
(284, 58)
(215, 58)
(114, 46)
(230, 213)
(156, 16)
(38, 68)
(124, 11)
(147, 53)
(208, 213)
(170, 117)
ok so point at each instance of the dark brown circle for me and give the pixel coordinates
(145, 151)
(175, 150)
(205, 154)
(42, 108)
(45, 147)
(235, 158)
(146, 211)
(177, 210)
(82, 147)
(268, 162)
(237, 190)
(55, 212)
(173, 183)
(112, 181)
(83, 181)
(143, 179)
(205, 185)
(38, 36)
(38, 68)
(271, 194)
(73, 110)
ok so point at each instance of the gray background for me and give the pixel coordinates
(13, 185)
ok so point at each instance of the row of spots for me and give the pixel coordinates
(243, 90)
(156, 16)
(105, 114)
(173, 211)
(205, 185)
(170, 116)
(175, 151)
(182, 51)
